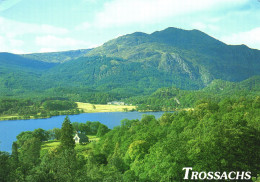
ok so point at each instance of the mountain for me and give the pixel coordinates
(191, 54)
(57, 57)
(136, 64)
(19, 74)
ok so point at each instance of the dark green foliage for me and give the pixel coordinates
(23, 137)
(170, 99)
(30, 152)
(102, 130)
(41, 134)
(83, 138)
(26, 108)
(66, 139)
(55, 133)
(15, 155)
(90, 128)
(57, 105)
(4, 166)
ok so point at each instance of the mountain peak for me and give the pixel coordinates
(187, 39)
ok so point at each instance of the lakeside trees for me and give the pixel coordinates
(26, 108)
(215, 136)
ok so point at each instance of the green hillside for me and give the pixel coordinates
(19, 75)
(172, 98)
(131, 65)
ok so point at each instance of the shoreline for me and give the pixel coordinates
(82, 107)
(89, 108)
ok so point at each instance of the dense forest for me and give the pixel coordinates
(61, 101)
(215, 136)
(172, 98)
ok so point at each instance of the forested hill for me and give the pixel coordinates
(186, 54)
(133, 64)
(10, 61)
(57, 57)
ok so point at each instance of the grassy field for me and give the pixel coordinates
(90, 108)
(82, 149)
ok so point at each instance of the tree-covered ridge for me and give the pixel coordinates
(222, 136)
(57, 57)
(8, 60)
(172, 98)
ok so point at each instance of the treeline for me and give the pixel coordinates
(89, 128)
(170, 99)
(84, 94)
(215, 136)
(26, 108)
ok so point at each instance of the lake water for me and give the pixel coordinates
(10, 129)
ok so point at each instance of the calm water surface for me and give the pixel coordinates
(10, 129)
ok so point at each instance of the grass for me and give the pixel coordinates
(91, 108)
(50, 144)
(82, 149)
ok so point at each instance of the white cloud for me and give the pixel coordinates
(51, 43)
(10, 44)
(83, 26)
(199, 25)
(123, 12)
(47, 50)
(250, 38)
(205, 26)
(3, 47)
(13, 34)
(11, 28)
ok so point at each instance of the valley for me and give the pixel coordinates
(211, 89)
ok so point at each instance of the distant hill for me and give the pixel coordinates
(19, 75)
(170, 98)
(134, 64)
(9, 60)
(57, 57)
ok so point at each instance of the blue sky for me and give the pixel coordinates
(28, 26)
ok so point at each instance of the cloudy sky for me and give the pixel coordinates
(28, 26)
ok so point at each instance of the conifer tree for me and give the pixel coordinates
(67, 141)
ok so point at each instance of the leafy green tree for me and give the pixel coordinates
(56, 133)
(41, 134)
(23, 137)
(4, 167)
(102, 130)
(66, 140)
(30, 152)
(66, 166)
(15, 155)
